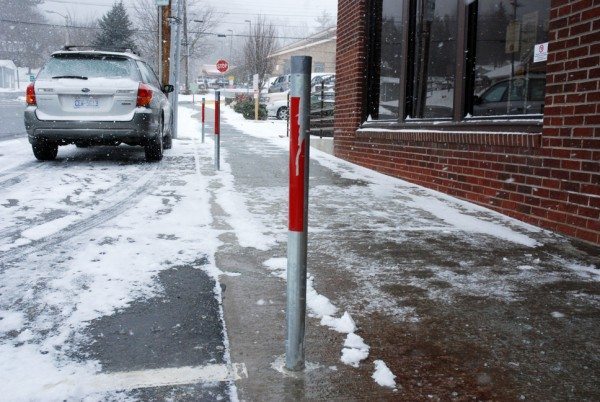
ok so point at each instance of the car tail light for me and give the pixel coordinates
(144, 95)
(30, 95)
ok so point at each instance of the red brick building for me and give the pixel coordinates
(461, 97)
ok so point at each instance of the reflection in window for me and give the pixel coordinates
(507, 80)
(434, 58)
(391, 58)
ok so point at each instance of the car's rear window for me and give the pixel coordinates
(89, 66)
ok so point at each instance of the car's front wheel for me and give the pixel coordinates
(44, 150)
(154, 148)
(282, 113)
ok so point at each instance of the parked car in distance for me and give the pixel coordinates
(318, 80)
(277, 104)
(519, 95)
(281, 84)
(97, 98)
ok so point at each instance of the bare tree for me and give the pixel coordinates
(83, 32)
(201, 19)
(325, 20)
(260, 44)
(24, 33)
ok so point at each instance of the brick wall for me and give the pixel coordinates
(550, 178)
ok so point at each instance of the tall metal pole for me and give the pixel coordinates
(298, 212)
(176, 56)
(217, 129)
(186, 52)
(203, 117)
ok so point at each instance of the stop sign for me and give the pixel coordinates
(222, 65)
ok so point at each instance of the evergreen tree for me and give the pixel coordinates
(116, 32)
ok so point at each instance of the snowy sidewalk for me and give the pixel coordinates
(457, 301)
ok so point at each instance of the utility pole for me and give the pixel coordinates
(186, 53)
(176, 57)
(165, 43)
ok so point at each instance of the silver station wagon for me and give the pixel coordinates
(97, 98)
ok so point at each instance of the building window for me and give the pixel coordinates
(390, 24)
(434, 55)
(439, 59)
(507, 79)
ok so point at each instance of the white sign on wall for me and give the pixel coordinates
(540, 52)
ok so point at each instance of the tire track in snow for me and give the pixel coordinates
(142, 186)
(103, 199)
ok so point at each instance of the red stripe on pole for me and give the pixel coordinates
(217, 118)
(202, 112)
(297, 159)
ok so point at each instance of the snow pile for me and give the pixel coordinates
(355, 350)
(345, 324)
(319, 305)
(383, 376)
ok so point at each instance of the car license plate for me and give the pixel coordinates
(85, 103)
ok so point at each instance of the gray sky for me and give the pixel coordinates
(290, 15)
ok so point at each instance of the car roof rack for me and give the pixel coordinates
(69, 48)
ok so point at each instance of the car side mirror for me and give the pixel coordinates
(168, 88)
(477, 100)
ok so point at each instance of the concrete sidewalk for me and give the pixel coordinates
(461, 303)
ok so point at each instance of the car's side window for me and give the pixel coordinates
(148, 75)
(153, 78)
(495, 94)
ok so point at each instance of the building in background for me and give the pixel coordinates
(320, 46)
(8, 74)
(493, 101)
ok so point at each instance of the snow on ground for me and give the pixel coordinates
(100, 264)
(91, 264)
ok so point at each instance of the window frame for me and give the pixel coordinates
(463, 80)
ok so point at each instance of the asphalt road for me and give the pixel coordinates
(11, 116)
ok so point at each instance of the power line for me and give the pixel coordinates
(215, 34)
(295, 15)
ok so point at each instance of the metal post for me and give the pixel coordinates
(298, 212)
(217, 127)
(203, 115)
(176, 55)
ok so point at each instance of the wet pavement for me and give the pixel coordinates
(460, 302)
(131, 266)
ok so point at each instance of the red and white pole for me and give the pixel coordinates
(203, 117)
(298, 212)
(217, 126)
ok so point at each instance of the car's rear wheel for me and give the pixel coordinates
(154, 149)
(44, 150)
(282, 113)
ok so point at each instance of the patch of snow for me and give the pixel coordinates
(345, 324)
(355, 350)
(557, 314)
(318, 304)
(383, 375)
(50, 227)
(11, 321)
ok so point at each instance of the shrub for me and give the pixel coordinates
(246, 108)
